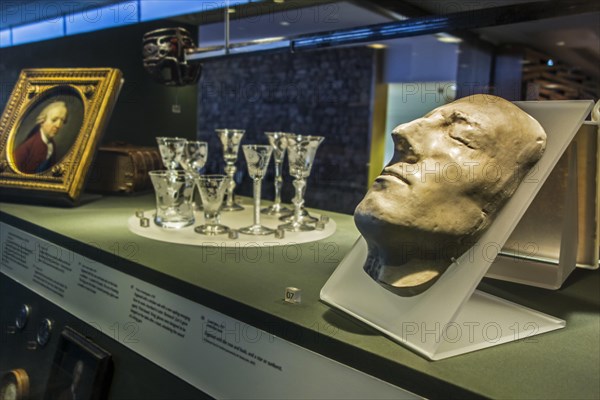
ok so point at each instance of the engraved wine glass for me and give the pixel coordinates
(194, 158)
(230, 139)
(173, 190)
(301, 154)
(278, 142)
(171, 150)
(212, 190)
(257, 159)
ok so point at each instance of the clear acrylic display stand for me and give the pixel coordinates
(451, 317)
(574, 231)
(542, 273)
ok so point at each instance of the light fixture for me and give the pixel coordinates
(550, 62)
(552, 86)
(284, 23)
(446, 38)
(377, 46)
(560, 43)
(268, 40)
(231, 10)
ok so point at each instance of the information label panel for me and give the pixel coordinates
(217, 354)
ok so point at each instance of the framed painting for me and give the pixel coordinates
(50, 129)
(81, 369)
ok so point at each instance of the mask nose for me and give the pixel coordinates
(404, 149)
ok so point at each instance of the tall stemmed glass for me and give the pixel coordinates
(279, 143)
(194, 158)
(301, 154)
(230, 139)
(257, 159)
(212, 189)
(171, 150)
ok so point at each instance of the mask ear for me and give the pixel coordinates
(484, 224)
(596, 112)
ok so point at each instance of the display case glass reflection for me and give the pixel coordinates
(81, 369)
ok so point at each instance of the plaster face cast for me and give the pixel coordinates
(451, 173)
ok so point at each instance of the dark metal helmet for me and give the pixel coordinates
(164, 57)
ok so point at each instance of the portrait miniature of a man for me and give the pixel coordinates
(37, 152)
(451, 173)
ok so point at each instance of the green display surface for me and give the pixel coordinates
(248, 283)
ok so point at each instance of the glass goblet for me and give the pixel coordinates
(173, 190)
(194, 157)
(171, 150)
(230, 139)
(301, 154)
(257, 159)
(278, 142)
(193, 160)
(212, 190)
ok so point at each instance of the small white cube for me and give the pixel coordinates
(293, 295)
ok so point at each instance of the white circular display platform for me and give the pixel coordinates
(234, 220)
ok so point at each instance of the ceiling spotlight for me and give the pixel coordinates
(269, 40)
(561, 43)
(284, 23)
(377, 46)
(278, 1)
(446, 38)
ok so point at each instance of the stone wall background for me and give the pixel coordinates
(327, 93)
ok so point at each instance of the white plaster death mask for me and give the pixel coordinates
(452, 171)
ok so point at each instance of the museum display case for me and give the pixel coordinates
(98, 298)
(80, 251)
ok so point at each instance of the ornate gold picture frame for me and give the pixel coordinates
(49, 131)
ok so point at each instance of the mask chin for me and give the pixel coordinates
(407, 280)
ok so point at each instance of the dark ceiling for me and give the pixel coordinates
(567, 31)
(571, 39)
